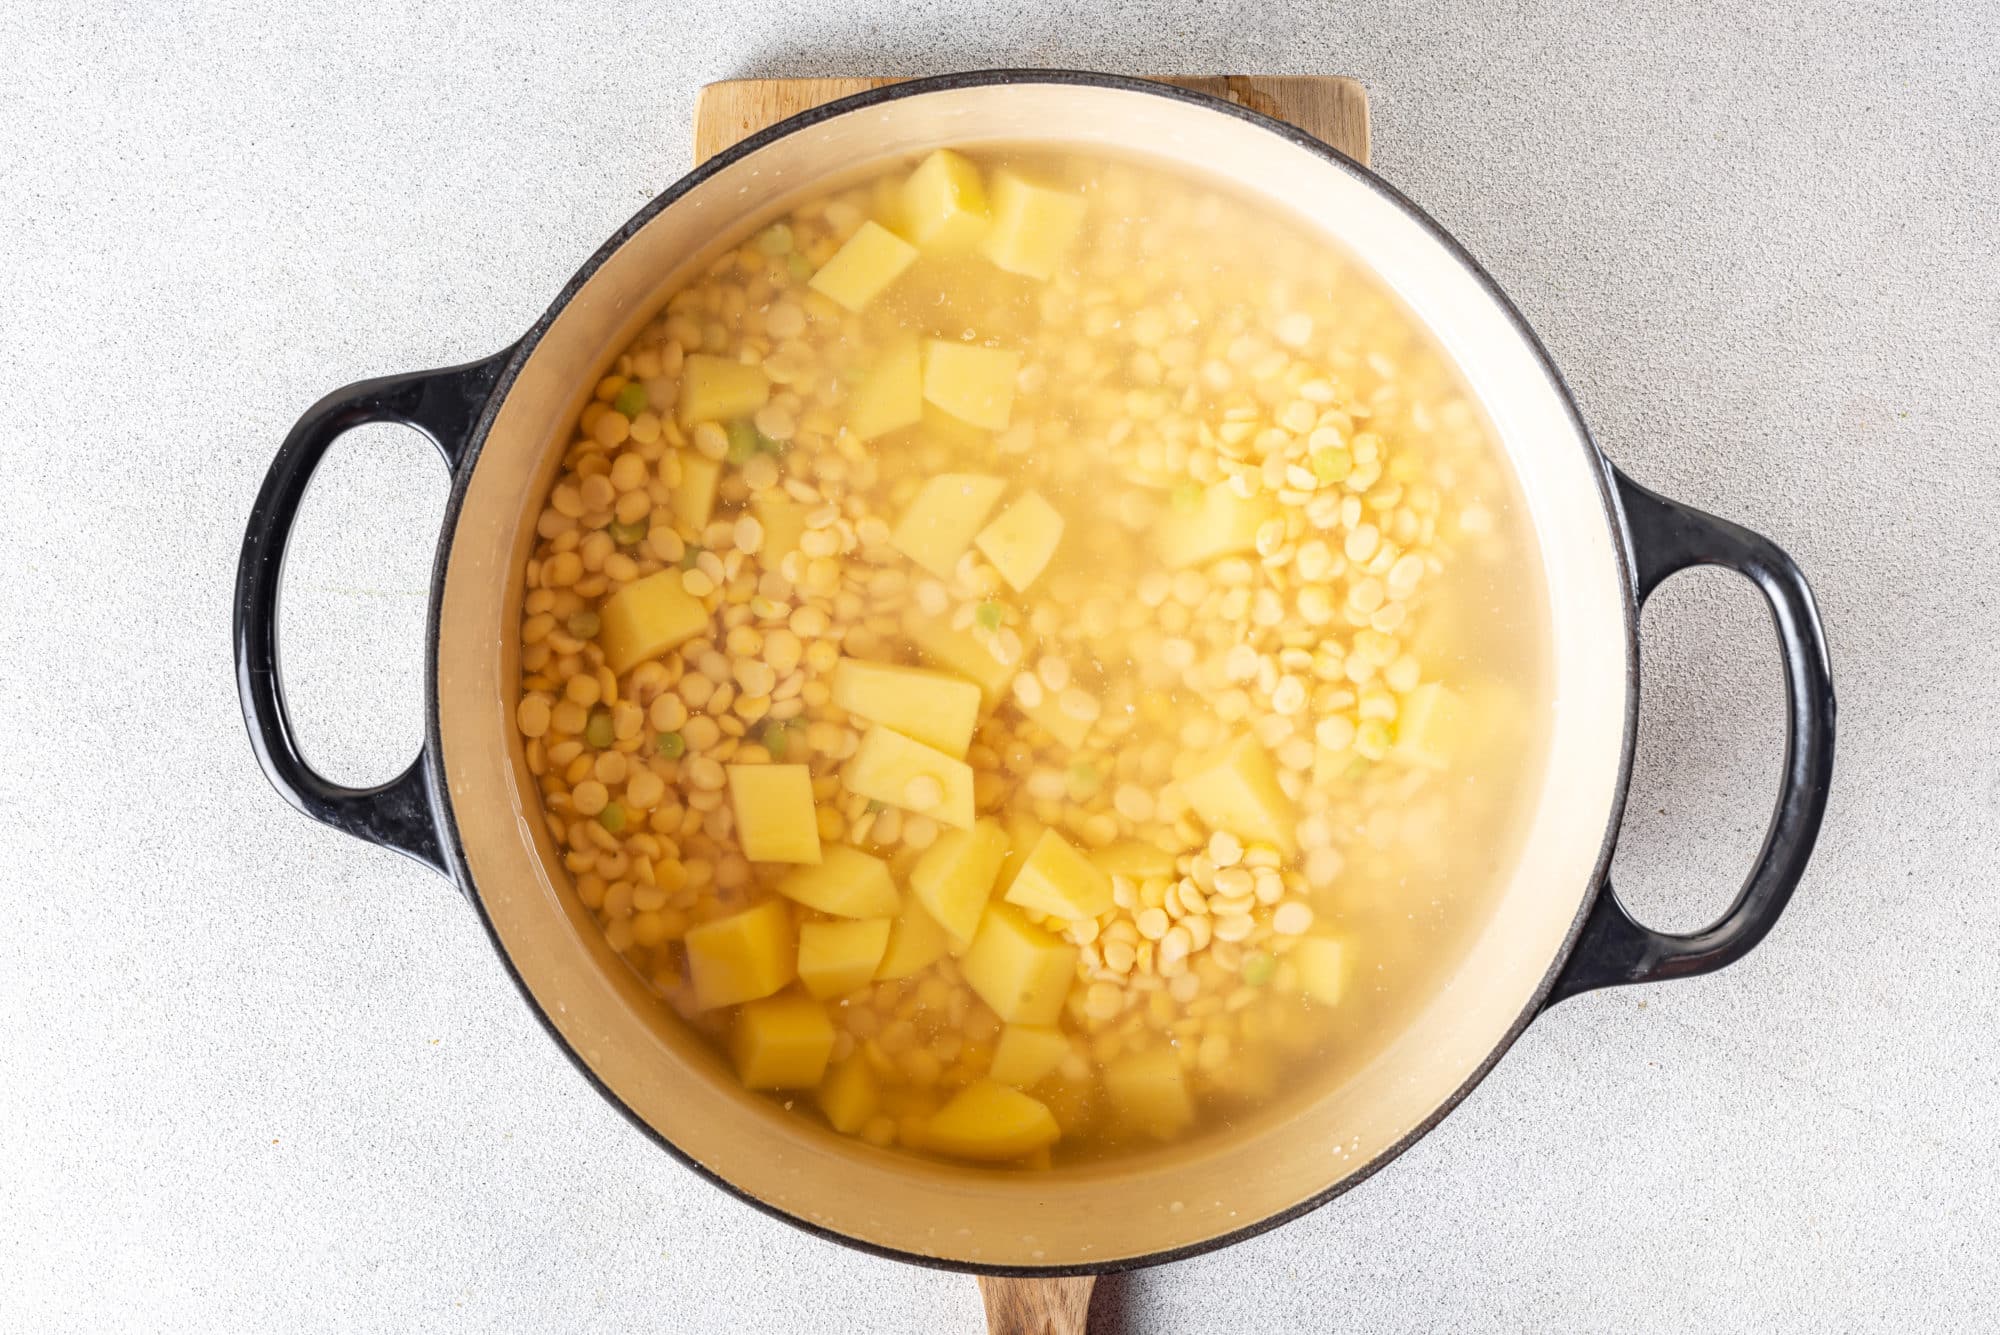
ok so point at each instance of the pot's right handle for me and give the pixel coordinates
(444, 405)
(1668, 537)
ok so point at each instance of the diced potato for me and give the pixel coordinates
(1430, 727)
(1150, 1092)
(974, 384)
(781, 1043)
(915, 942)
(742, 957)
(1057, 881)
(775, 820)
(989, 1121)
(944, 204)
(954, 877)
(964, 652)
(1238, 791)
(1033, 226)
(1321, 962)
(784, 521)
(891, 768)
(935, 708)
(692, 500)
(1018, 969)
(847, 883)
(849, 1095)
(1220, 523)
(717, 389)
(1026, 1053)
(837, 957)
(938, 527)
(1062, 725)
(645, 619)
(1021, 539)
(891, 395)
(961, 440)
(1134, 858)
(1023, 833)
(869, 261)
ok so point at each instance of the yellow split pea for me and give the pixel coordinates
(1020, 679)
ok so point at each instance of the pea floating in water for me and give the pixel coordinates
(671, 745)
(631, 400)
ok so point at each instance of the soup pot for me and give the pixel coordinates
(466, 807)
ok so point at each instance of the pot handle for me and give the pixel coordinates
(1668, 537)
(444, 405)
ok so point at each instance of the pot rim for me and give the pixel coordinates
(517, 355)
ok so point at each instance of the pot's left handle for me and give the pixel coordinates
(444, 405)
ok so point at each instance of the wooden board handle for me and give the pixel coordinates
(1037, 1306)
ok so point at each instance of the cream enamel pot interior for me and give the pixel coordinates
(465, 805)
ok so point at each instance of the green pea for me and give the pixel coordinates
(774, 738)
(989, 615)
(1085, 775)
(612, 817)
(775, 240)
(1258, 968)
(671, 745)
(690, 556)
(631, 400)
(876, 806)
(799, 266)
(742, 441)
(597, 729)
(625, 535)
(584, 625)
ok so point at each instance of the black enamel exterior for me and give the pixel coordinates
(1657, 537)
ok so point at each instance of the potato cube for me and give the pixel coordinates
(1060, 724)
(1021, 539)
(692, 500)
(915, 942)
(645, 619)
(775, 820)
(1134, 858)
(847, 883)
(1218, 523)
(1321, 962)
(1058, 882)
(742, 957)
(954, 877)
(1023, 833)
(938, 527)
(717, 389)
(964, 652)
(1026, 1053)
(1018, 969)
(989, 1121)
(781, 1043)
(1431, 726)
(1238, 791)
(935, 708)
(849, 1095)
(837, 957)
(961, 439)
(890, 395)
(869, 261)
(891, 768)
(784, 521)
(944, 204)
(1150, 1092)
(1033, 226)
(974, 384)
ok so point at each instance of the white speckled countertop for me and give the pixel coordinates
(257, 1076)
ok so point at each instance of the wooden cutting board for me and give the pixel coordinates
(1330, 109)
